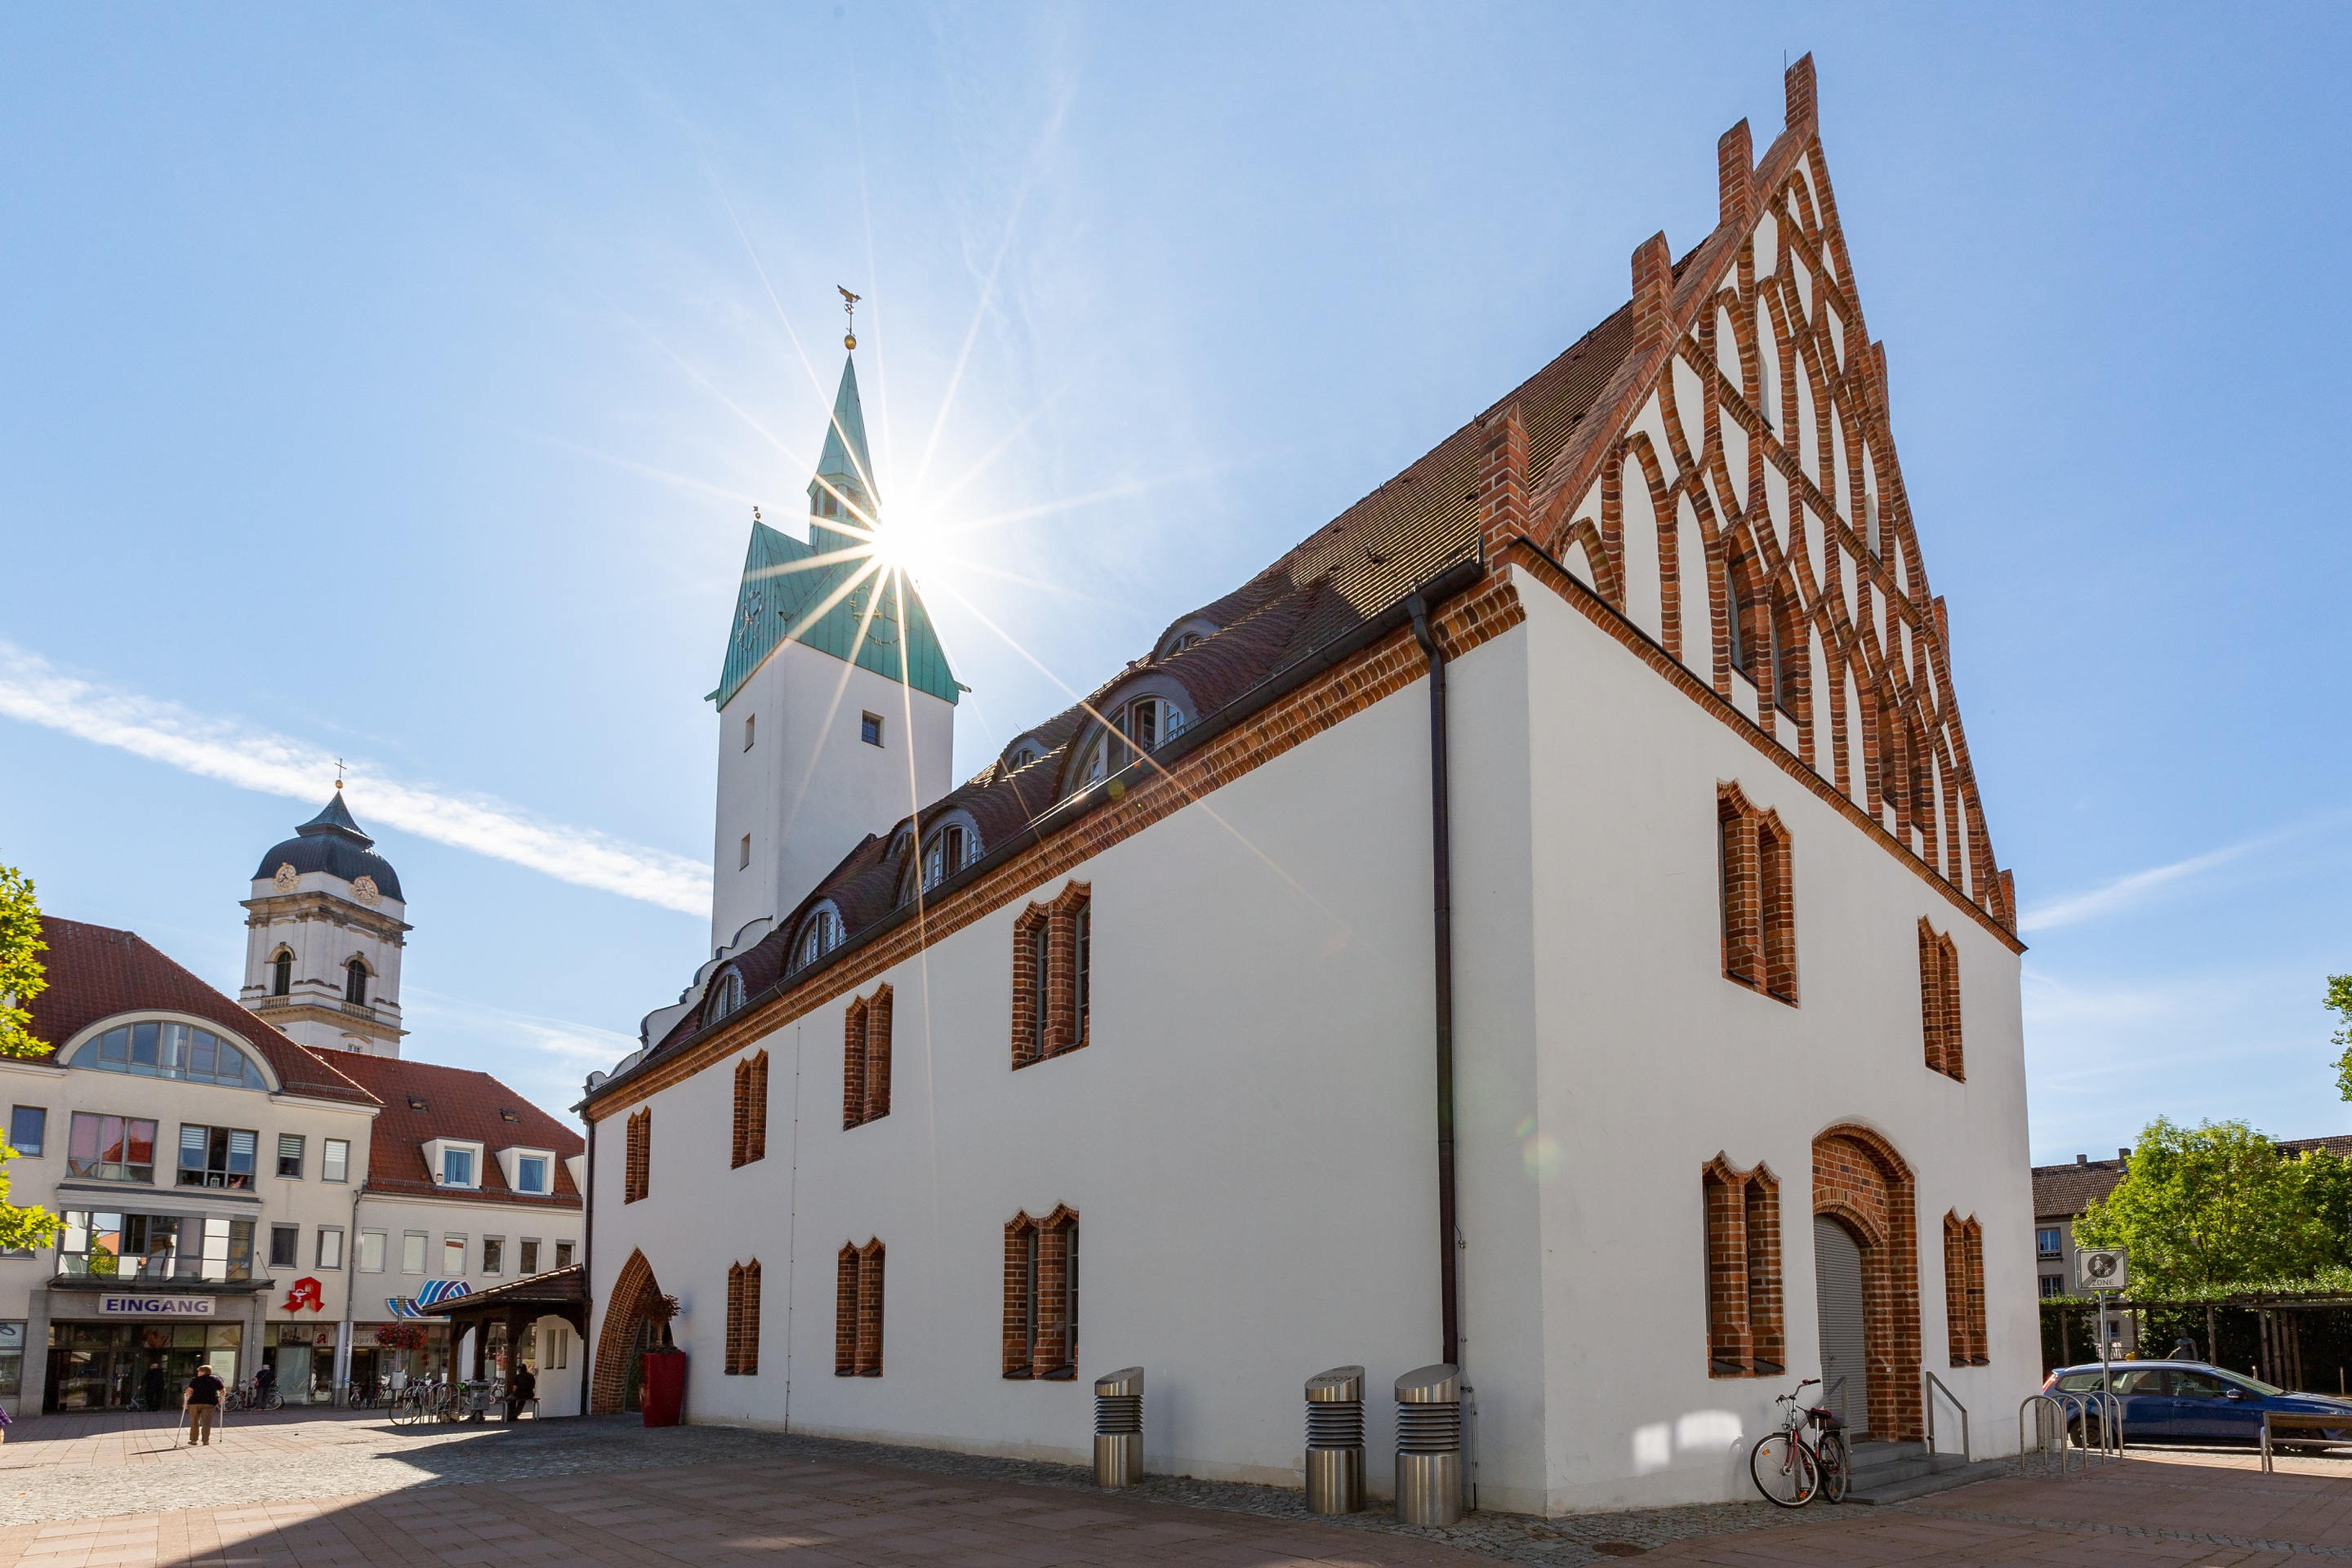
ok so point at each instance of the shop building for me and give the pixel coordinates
(232, 1196)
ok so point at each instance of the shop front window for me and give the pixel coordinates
(132, 1366)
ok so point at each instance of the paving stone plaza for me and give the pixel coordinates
(322, 1491)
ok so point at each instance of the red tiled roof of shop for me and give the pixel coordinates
(97, 973)
(423, 1102)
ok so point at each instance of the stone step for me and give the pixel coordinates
(1941, 1473)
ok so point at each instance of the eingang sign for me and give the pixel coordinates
(111, 1306)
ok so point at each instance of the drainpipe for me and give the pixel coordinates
(588, 1268)
(1441, 887)
(351, 1294)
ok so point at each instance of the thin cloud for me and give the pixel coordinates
(37, 692)
(2124, 892)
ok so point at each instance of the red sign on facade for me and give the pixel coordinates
(305, 1292)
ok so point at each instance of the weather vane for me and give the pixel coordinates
(849, 305)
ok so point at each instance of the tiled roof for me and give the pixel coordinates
(568, 1284)
(2338, 1143)
(97, 971)
(1345, 575)
(423, 1102)
(2069, 1189)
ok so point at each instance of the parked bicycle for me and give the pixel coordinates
(1805, 1457)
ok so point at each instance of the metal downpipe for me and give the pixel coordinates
(1441, 887)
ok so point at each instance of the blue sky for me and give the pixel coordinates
(398, 385)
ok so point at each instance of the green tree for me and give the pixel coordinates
(2214, 1206)
(2339, 1002)
(21, 978)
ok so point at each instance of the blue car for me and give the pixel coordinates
(2190, 1402)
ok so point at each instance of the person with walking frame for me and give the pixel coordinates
(202, 1401)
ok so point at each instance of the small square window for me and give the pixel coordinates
(412, 1252)
(331, 1246)
(335, 1161)
(2046, 1242)
(743, 854)
(452, 1256)
(869, 729)
(290, 1154)
(531, 1174)
(28, 1128)
(372, 1251)
(494, 1255)
(528, 1260)
(458, 1167)
(2053, 1285)
(285, 1245)
(563, 1255)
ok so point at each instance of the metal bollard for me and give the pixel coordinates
(1119, 1428)
(1335, 1441)
(1428, 1446)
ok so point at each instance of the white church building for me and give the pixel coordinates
(1545, 922)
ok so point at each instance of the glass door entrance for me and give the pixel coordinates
(134, 1366)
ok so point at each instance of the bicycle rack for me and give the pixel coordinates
(2058, 1420)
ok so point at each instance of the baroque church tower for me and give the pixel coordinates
(323, 938)
(836, 707)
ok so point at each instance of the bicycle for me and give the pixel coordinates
(1792, 1468)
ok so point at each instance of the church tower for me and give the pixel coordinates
(323, 937)
(836, 707)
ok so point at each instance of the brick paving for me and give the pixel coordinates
(336, 1488)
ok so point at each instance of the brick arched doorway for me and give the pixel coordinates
(1863, 1184)
(617, 1341)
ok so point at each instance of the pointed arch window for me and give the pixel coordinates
(1758, 893)
(750, 1111)
(1964, 1293)
(857, 1310)
(1745, 1334)
(1041, 1296)
(865, 1059)
(355, 982)
(743, 1319)
(281, 974)
(1052, 983)
(1939, 1002)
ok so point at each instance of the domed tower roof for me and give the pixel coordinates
(332, 842)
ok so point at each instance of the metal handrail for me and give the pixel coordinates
(1935, 1386)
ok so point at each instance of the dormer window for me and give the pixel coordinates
(355, 982)
(1185, 634)
(282, 975)
(531, 1172)
(1022, 755)
(455, 1164)
(725, 997)
(1140, 727)
(950, 851)
(820, 936)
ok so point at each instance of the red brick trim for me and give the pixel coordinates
(1860, 1180)
(636, 1173)
(857, 1310)
(1964, 1294)
(1041, 1296)
(617, 1340)
(750, 1111)
(1319, 703)
(1939, 1002)
(1747, 1335)
(865, 1059)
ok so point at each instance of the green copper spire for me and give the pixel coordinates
(786, 585)
(845, 466)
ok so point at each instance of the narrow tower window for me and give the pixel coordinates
(751, 729)
(743, 854)
(282, 975)
(355, 979)
(869, 728)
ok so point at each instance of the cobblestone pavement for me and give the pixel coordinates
(340, 1489)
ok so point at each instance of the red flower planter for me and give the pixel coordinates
(664, 1393)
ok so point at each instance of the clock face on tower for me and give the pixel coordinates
(363, 889)
(285, 879)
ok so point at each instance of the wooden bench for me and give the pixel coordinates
(2292, 1421)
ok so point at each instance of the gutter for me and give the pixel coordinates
(1441, 849)
(588, 1266)
(351, 1293)
(1289, 678)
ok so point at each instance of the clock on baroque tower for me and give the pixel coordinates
(323, 938)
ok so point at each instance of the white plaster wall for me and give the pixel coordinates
(810, 788)
(1249, 1140)
(1650, 1063)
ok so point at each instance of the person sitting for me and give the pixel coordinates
(522, 1388)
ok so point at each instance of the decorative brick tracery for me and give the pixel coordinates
(750, 1111)
(865, 1058)
(1758, 896)
(1964, 1294)
(637, 1170)
(1939, 1002)
(1860, 1180)
(1041, 1296)
(1052, 976)
(743, 1319)
(1747, 1335)
(857, 1310)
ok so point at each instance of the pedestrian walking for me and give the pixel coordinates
(202, 1402)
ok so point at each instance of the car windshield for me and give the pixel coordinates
(2244, 1379)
